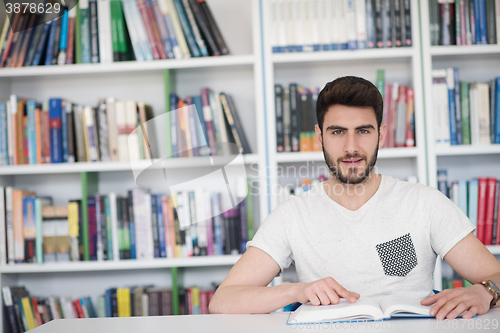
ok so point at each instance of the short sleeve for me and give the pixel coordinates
(272, 237)
(448, 223)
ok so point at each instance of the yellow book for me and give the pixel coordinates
(195, 296)
(74, 251)
(123, 300)
(28, 313)
(86, 133)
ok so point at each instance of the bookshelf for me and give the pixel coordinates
(249, 74)
(238, 74)
(476, 63)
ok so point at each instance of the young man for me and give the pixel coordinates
(360, 234)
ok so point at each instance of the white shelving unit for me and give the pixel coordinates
(476, 63)
(239, 74)
(316, 69)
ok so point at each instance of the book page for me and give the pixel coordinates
(364, 308)
(394, 305)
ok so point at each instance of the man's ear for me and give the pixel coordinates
(319, 137)
(382, 133)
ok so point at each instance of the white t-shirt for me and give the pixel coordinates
(388, 246)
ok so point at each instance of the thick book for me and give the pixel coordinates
(363, 309)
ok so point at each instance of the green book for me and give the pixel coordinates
(381, 81)
(466, 283)
(114, 28)
(464, 103)
(122, 38)
(78, 35)
(85, 31)
(39, 235)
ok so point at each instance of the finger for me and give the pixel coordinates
(348, 295)
(313, 298)
(457, 311)
(323, 297)
(471, 313)
(332, 295)
(447, 308)
(430, 300)
(438, 304)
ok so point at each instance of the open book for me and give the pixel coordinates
(364, 309)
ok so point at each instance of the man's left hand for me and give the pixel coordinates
(450, 303)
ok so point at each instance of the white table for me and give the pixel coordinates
(263, 323)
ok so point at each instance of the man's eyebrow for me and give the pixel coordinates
(336, 127)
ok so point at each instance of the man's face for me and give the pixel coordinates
(350, 142)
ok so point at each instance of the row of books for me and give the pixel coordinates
(296, 116)
(58, 131)
(465, 113)
(138, 226)
(103, 31)
(202, 123)
(479, 199)
(25, 312)
(464, 22)
(454, 283)
(324, 25)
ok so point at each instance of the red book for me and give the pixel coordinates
(458, 284)
(76, 305)
(209, 123)
(410, 119)
(45, 137)
(38, 318)
(70, 49)
(481, 209)
(203, 302)
(490, 210)
(497, 231)
(190, 301)
(143, 9)
(25, 140)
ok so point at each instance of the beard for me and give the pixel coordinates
(352, 176)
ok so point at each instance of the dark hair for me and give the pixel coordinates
(349, 91)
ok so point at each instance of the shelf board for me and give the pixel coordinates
(366, 54)
(129, 66)
(454, 50)
(494, 249)
(318, 155)
(468, 150)
(113, 166)
(226, 260)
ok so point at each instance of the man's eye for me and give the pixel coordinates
(363, 131)
(337, 132)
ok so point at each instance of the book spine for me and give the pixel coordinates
(30, 108)
(94, 33)
(41, 44)
(63, 40)
(481, 214)
(452, 106)
(458, 108)
(214, 28)
(410, 119)
(92, 228)
(490, 210)
(213, 49)
(162, 29)
(4, 134)
(407, 37)
(497, 105)
(85, 31)
(278, 105)
(71, 48)
(483, 35)
(188, 33)
(156, 33)
(55, 114)
(295, 114)
(3, 228)
(495, 214)
(464, 104)
(200, 42)
(492, 105)
(141, 4)
(64, 130)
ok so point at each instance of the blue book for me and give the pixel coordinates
(31, 109)
(202, 135)
(217, 223)
(171, 35)
(481, 16)
(156, 199)
(63, 40)
(41, 44)
(442, 179)
(497, 111)
(50, 43)
(21, 311)
(109, 230)
(473, 201)
(458, 109)
(55, 133)
(108, 301)
(493, 96)
(174, 100)
(34, 43)
(4, 144)
(87, 301)
(451, 106)
(64, 130)
(188, 33)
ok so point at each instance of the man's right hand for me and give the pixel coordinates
(323, 292)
